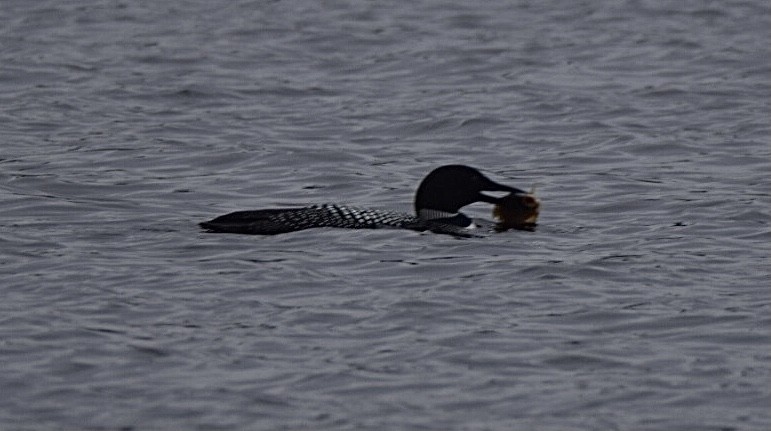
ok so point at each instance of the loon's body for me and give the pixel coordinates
(438, 200)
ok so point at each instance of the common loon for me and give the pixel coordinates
(438, 200)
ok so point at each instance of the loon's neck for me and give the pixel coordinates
(445, 217)
(429, 214)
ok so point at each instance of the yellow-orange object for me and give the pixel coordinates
(517, 211)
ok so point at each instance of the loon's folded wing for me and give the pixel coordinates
(283, 220)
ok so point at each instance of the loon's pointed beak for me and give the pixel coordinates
(492, 186)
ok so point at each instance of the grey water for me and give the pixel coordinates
(641, 301)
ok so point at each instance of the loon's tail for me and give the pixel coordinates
(260, 222)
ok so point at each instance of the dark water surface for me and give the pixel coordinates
(640, 303)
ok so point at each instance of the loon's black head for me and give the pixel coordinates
(449, 188)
